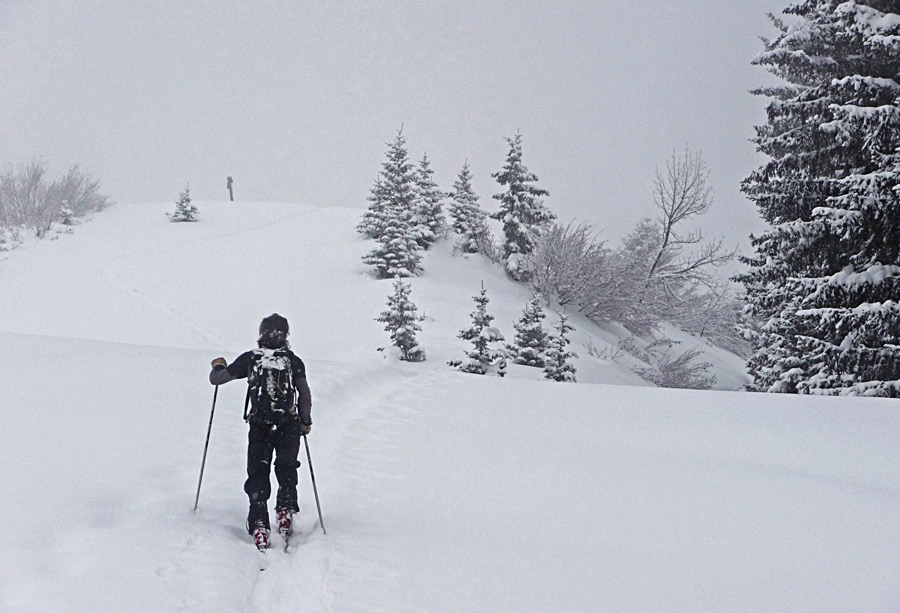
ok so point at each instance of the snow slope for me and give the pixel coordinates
(441, 491)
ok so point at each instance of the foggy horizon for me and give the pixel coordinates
(297, 103)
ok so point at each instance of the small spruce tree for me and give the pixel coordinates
(483, 358)
(67, 216)
(401, 320)
(184, 208)
(468, 218)
(558, 366)
(531, 340)
(428, 217)
(522, 210)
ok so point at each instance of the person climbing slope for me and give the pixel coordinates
(280, 414)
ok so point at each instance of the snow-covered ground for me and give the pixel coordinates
(441, 491)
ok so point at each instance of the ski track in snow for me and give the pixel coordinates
(324, 569)
(318, 570)
(307, 576)
(281, 569)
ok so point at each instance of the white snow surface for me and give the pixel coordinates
(441, 491)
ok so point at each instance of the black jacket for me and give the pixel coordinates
(240, 369)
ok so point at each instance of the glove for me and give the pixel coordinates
(219, 363)
(304, 429)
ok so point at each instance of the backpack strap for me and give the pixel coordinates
(289, 364)
(247, 404)
(250, 381)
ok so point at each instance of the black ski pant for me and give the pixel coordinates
(264, 438)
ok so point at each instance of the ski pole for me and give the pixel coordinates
(206, 446)
(315, 490)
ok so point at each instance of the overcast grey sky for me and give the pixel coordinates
(296, 99)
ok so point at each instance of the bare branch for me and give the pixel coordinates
(680, 193)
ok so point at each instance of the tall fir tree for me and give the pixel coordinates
(401, 320)
(390, 217)
(469, 220)
(484, 357)
(428, 215)
(184, 208)
(522, 209)
(824, 282)
(558, 365)
(394, 192)
(531, 340)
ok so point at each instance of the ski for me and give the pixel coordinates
(286, 527)
(286, 535)
(261, 540)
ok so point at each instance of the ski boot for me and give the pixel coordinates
(261, 538)
(285, 522)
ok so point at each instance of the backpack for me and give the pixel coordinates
(271, 384)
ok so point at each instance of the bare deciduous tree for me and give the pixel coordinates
(28, 201)
(681, 193)
(654, 276)
(22, 194)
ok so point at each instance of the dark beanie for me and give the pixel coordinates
(273, 332)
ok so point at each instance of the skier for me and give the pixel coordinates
(280, 404)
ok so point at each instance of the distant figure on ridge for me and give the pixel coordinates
(280, 405)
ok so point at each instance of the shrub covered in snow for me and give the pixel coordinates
(668, 368)
(29, 201)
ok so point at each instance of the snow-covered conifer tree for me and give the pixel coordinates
(184, 208)
(531, 340)
(394, 192)
(558, 366)
(468, 218)
(483, 358)
(375, 217)
(401, 320)
(522, 209)
(824, 282)
(67, 216)
(397, 254)
(390, 218)
(428, 216)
